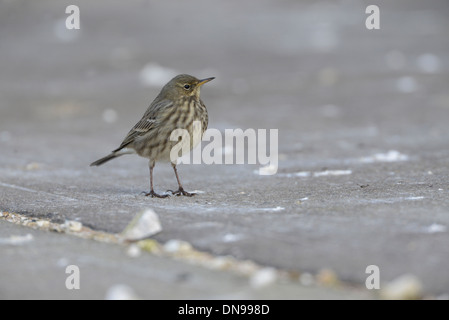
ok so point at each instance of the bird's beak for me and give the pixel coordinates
(203, 81)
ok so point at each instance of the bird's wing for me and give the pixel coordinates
(147, 122)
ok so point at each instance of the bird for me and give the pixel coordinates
(177, 106)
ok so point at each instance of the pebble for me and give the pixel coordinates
(121, 292)
(43, 223)
(154, 75)
(174, 246)
(145, 224)
(149, 245)
(133, 251)
(73, 226)
(263, 277)
(405, 287)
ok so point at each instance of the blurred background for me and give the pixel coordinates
(306, 66)
(338, 93)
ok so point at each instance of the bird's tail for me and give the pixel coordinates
(111, 156)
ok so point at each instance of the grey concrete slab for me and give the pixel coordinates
(362, 118)
(36, 268)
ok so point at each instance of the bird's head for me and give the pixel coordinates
(183, 85)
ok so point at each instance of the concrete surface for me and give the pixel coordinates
(37, 270)
(362, 118)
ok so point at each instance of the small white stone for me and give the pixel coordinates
(121, 292)
(43, 223)
(268, 170)
(154, 75)
(436, 228)
(230, 237)
(405, 287)
(134, 251)
(263, 277)
(73, 226)
(332, 173)
(175, 245)
(144, 225)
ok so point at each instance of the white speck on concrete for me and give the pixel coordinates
(144, 224)
(17, 240)
(133, 251)
(174, 245)
(197, 191)
(154, 75)
(435, 228)
(268, 170)
(32, 166)
(303, 174)
(73, 226)
(405, 287)
(332, 173)
(390, 156)
(390, 200)
(43, 223)
(231, 237)
(263, 277)
(271, 209)
(413, 198)
(121, 292)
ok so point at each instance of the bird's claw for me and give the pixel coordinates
(181, 192)
(153, 194)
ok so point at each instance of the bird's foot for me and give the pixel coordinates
(153, 194)
(181, 192)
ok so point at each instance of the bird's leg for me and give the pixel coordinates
(152, 193)
(181, 190)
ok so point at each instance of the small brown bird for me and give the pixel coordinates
(177, 106)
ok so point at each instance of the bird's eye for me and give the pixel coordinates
(187, 86)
